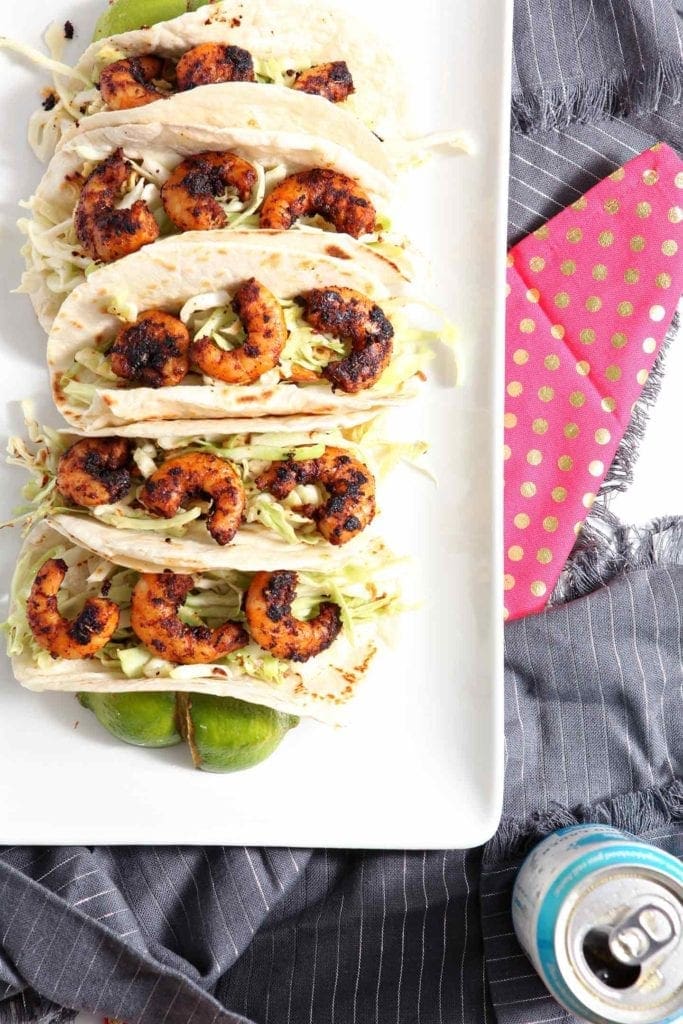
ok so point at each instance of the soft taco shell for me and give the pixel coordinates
(297, 32)
(171, 143)
(321, 688)
(253, 548)
(166, 275)
(251, 109)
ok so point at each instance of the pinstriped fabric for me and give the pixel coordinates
(616, 696)
(371, 938)
(550, 169)
(596, 671)
(593, 729)
(575, 58)
(298, 936)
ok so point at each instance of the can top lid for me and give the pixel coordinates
(622, 941)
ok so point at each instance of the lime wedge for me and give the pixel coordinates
(126, 15)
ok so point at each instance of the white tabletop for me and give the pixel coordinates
(657, 488)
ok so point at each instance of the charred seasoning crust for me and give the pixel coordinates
(352, 317)
(204, 179)
(330, 194)
(95, 471)
(174, 589)
(209, 63)
(332, 81)
(105, 232)
(350, 505)
(146, 348)
(86, 625)
(278, 594)
(116, 481)
(152, 351)
(193, 476)
(144, 72)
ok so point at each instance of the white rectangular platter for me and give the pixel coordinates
(420, 765)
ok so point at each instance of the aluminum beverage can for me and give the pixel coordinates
(600, 915)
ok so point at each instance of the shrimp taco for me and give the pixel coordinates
(308, 57)
(238, 501)
(110, 191)
(299, 642)
(225, 325)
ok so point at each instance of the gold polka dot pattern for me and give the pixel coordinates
(599, 281)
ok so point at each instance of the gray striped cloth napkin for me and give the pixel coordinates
(593, 724)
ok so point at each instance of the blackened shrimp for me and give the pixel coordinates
(95, 471)
(268, 607)
(154, 618)
(129, 83)
(266, 333)
(351, 316)
(81, 637)
(190, 194)
(329, 194)
(349, 483)
(198, 475)
(105, 232)
(210, 63)
(153, 351)
(332, 81)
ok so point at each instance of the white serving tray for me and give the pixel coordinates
(421, 764)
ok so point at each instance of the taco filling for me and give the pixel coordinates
(314, 489)
(80, 622)
(90, 211)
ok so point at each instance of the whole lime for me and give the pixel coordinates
(144, 719)
(126, 15)
(228, 735)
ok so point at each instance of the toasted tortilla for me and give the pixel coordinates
(321, 688)
(254, 547)
(300, 33)
(167, 274)
(188, 130)
(247, 109)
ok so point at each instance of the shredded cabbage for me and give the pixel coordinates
(79, 96)
(365, 593)
(53, 253)
(306, 351)
(250, 454)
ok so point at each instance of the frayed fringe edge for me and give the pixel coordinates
(606, 548)
(562, 105)
(638, 813)
(30, 1008)
(620, 473)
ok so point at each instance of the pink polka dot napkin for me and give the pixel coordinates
(590, 297)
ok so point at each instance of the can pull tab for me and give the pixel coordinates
(644, 932)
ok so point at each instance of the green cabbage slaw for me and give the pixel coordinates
(52, 252)
(366, 594)
(418, 329)
(250, 454)
(76, 94)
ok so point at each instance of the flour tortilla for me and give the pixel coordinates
(170, 142)
(254, 547)
(166, 275)
(301, 33)
(248, 108)
(321, 688)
